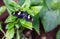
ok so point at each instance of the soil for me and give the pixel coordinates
(43, 35)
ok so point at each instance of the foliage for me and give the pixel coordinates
(58, 35)
(46, 11)
(51, 20)
(2, 9)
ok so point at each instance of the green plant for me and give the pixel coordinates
(48, 11)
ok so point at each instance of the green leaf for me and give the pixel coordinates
(2, 9)
(34, 2)
(21, 2)
(10, 33)
(26, 24)
(17, 26)
(15, 5)
(43, 12)
(26, 5)
(34, 10)
(36, 24)
(53, 4)
(58, 35)
(11, 5)
(8, 6)
(9, 25)
(50, 20)
(10, 19)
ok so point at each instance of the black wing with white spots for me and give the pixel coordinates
(23, 14)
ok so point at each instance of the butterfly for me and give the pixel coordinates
(24, 15)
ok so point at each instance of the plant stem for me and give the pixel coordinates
(17, 36)
(3, 32)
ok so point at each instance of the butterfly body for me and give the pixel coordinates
(23, 14)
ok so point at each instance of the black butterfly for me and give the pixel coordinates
(23, 14)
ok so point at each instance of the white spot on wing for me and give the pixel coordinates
(28, 16)
(32, 19)
(19, 13)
